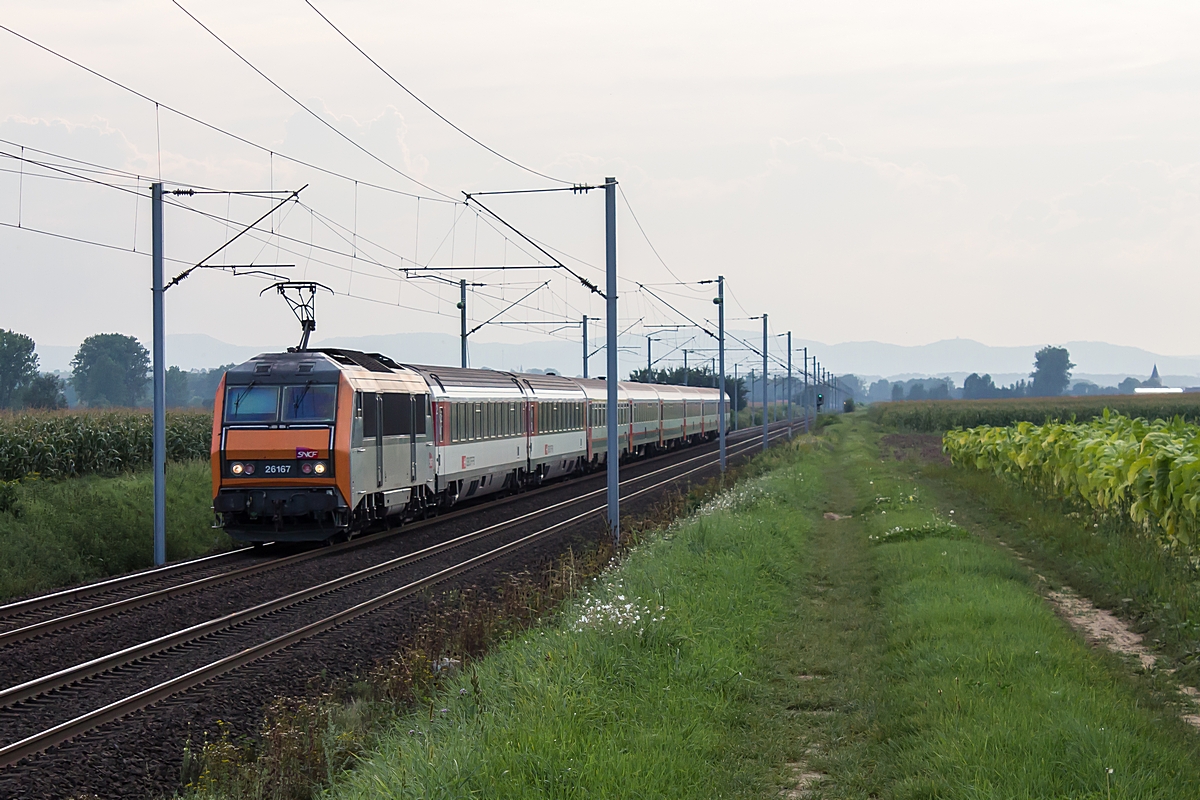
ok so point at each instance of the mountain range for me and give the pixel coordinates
(1100, 362)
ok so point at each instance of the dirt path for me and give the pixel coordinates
(838, 627)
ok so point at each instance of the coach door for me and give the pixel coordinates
(416, 405)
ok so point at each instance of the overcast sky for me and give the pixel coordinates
(1015, 173)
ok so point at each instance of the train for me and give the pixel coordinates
(325, 444)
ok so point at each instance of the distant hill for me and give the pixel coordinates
(1103, 363)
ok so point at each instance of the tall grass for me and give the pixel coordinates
(66, 444)
(635, 692)
(58, 533)
(941, 415)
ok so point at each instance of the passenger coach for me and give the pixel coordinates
(323, 444)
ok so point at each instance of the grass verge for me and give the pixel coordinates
(63, 532)
(982, 691)
(631, 688)
(1108, 560)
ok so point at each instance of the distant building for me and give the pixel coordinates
(1153, 385)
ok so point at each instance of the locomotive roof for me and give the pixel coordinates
(275, 368)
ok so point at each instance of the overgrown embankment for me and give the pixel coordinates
(76, 496)
(64, 532)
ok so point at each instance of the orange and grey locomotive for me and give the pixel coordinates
(312, 445)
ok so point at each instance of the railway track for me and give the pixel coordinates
(45, 614)
(109, 677)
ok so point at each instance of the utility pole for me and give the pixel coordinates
(462, 309)
(805, 395)
(585, 346)
(735, 396)
(816, 387)
(160, 379)
(766, 433)
(685, 372)
(613, 457)
(649, 364)
(720, 301)
(750, 398)
(789, 385)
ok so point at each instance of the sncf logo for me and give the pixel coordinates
(304, 452)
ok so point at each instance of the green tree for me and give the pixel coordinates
(917, 392)
(18, 365)
(178, 395)
(897, 391)
(110, 369)
(1051, 372)
(46, 392)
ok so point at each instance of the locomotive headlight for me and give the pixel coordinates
(306, 468)
(236, 468)
(249, 469)
(319, 467)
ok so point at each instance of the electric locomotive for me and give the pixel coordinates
(316, 445)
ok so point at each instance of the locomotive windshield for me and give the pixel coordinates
(251, 403)
(258, 405)
(309, 403)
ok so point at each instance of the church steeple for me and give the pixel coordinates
(1154, 380)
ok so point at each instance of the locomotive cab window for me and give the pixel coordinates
(309, 403)
(251, 404)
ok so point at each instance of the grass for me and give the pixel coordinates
(1107, 559)
(772, 645)
(58, 533)
(942, 415)
(635, 690)
(984, 692)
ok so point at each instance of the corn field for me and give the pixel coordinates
(67, 444)
(941, 415)
(1145, 471)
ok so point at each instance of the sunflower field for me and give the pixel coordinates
(1117, 465)
(67, 444)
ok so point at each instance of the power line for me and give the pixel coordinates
(653, 249)
(430, 108)
(215, 128)
(311, 113)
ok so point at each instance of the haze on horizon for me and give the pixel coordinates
(1014, 173)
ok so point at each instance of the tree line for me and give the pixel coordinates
(108, 370)
(1051, 377)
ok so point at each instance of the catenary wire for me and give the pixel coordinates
(428, 107)
(311, 113)
(216, 128)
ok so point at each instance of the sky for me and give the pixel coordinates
(1014, 173)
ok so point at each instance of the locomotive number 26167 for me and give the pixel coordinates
(277, 469)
